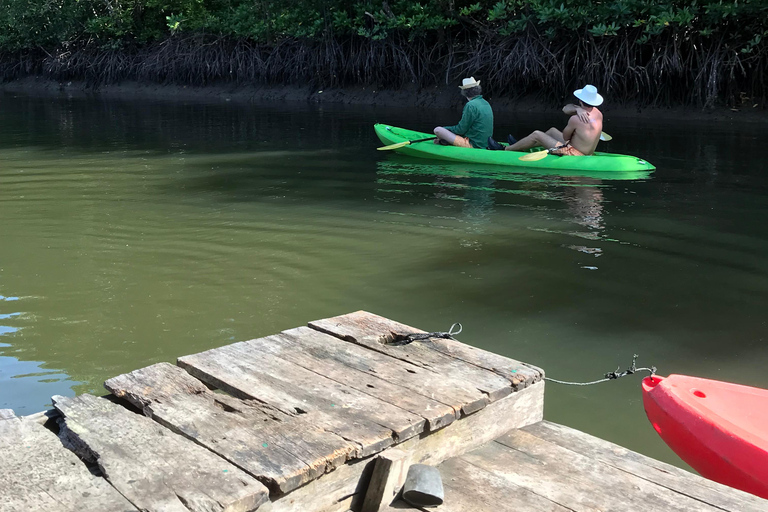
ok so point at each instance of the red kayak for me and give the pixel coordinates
(719, 428)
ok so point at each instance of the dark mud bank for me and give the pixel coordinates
(435, 97)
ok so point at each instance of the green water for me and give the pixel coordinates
(134, 232)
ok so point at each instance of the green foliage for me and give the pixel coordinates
(659, 51)
(55, 25)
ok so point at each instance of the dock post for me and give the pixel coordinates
(387, 479)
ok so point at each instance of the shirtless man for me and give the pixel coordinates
(580, 136)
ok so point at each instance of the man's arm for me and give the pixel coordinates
(570, 129)
(575, 110)
(467, 118)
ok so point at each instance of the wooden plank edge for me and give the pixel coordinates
(430, 423)
(331, 492)
(43, 417)
(696, 486)
(516, 383)
(217, 383)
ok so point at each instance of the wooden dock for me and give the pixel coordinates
(326, 418)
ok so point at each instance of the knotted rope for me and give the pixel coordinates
(405, 339)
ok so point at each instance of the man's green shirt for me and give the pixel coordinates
(476, 122)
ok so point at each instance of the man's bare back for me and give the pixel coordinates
(584, 136)
(581, 134)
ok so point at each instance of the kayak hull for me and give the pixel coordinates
(599, 162)
(719, 428)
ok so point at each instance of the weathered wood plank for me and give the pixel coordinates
(519, 374)
(38, 473)
(7, 414)
(290, 349)
(401, 505)
(469, 488)
(477, 429)
(280, 450)
(655, 471)
(387, 477)
(334, 492)
(572, 480)
(456, 393)
(43, 417)
(244, 372)
(156, 469)
(372, 331)
(329, 492)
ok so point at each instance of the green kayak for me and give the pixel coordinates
(599, 162)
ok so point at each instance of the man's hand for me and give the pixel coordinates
(583, 115)
(575, 110)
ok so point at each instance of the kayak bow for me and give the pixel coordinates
(719, 428)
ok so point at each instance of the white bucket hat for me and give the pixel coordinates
(589, 95)
(469, 83)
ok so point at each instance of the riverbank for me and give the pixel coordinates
(434, 97)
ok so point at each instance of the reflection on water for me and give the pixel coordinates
(136, 232)
(478, 188)
(585, 202)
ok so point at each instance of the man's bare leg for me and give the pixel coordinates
(556, 134)
(537, 138)
(443, 134)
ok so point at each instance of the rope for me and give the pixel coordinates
(405, 339)
(610, 375)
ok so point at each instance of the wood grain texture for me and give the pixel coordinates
(469, 488)
(655, 471)
(304, 347)
(329, 492)
(387, 478)
(246, 372)
(520, 374)
(281, 450)
(156, 469)
(334, 492)
(461, 396)
(517, 410)
(373, 331)
(573, 480)
(38, 473)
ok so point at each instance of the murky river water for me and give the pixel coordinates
(133, 232)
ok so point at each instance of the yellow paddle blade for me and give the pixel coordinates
(604, 136)
(532, 157)
(394, 146)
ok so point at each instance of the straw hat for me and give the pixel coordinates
(469, 83)
(589, 95)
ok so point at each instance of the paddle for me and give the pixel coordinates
(538, 155)
(532, 157)
(404, 143)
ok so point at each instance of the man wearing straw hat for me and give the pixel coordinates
(580, 136)
(476, 123)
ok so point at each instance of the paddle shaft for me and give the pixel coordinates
(404, 143)
(420, 140)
